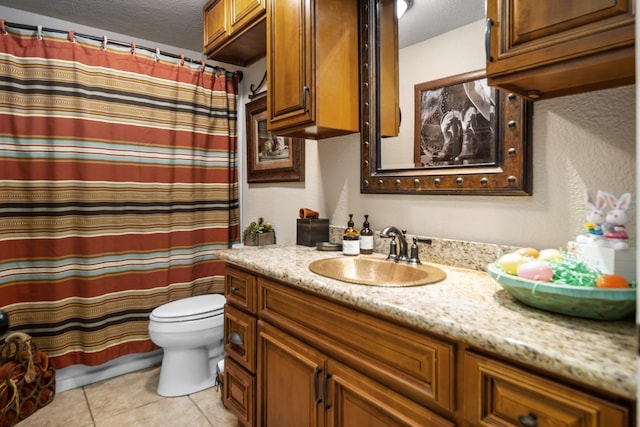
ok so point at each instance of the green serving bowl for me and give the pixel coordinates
(578, 301)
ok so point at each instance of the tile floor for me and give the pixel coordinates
(131, 400)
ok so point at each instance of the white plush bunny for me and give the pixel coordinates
(595, 219)
(615, 220)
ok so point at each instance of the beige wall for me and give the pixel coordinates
(580, 142)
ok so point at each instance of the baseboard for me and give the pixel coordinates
(80, 375)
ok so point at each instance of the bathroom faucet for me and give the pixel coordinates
(402, 241)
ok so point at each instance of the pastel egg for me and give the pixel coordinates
(528, 252)
(509, 263)
(536, 270)
(550, 255)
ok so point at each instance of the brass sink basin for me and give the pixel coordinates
(376, 271)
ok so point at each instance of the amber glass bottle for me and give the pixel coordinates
(366, 238)
(350, 239)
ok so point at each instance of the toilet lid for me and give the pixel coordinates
(192, 308)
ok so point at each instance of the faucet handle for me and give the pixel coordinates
(415, 256)
(393, 249)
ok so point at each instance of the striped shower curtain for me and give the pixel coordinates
(117, 180)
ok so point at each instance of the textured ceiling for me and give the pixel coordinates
(179, 22)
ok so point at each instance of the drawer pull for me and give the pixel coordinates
(528, 420)
(305, 89)
(487, 40)
(324, 391)
(234, 289)
(316, 375)
(235, 338)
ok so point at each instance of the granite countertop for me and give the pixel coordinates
(471, 307)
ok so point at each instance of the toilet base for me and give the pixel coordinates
(186, 371)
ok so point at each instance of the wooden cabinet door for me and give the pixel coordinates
(389, 70)
(570, 45)
(215, 23)
(289, 380)
(290, 63)
(355, 400)
(244, 12)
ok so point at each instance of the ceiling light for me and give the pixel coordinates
(402, 6)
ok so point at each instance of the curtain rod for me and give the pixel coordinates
(4, 24)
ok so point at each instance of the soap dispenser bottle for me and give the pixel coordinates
(350, 239)
(366, 238)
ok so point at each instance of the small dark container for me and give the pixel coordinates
(312, 231)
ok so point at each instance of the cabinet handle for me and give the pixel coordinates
(305, 89)
(316, 375)
(235, 338)
(487, 40)
(324, 391)
(234, 289)
(528, 420)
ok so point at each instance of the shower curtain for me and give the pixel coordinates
(117, 180)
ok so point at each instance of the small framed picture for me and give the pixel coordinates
(271, 158)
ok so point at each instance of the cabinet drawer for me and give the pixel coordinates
(408, 362)
(240, 337)
(239, 393)
(497, 394)
(240, 289)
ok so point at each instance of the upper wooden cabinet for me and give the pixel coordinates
(312, 68)
(235, 31)
(548, 48)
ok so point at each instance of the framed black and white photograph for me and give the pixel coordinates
(456, 123)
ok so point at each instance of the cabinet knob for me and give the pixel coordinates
(528, 420)
(235, 338)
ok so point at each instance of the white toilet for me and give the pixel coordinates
(190, 331)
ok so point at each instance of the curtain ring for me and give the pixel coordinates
(181, 59)
(202, 65)
(157, 55)
(133, 48)
(39, 32)
(104, 42)
(72, 36)
(3, 30)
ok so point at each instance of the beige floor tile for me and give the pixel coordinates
(168, 412)
(131, 400)
(211, 406)
(68, 409)
(123, 393)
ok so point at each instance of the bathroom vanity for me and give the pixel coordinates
(303, 349)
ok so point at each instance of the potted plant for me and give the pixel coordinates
(259, 234)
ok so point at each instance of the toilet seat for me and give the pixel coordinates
(191, 308)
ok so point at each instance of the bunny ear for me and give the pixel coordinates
(601, 200)
(624, 201)
(613, 201)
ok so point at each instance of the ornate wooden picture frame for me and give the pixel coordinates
(506, 171)
(270, 158)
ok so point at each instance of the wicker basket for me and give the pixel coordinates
(27, 381)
